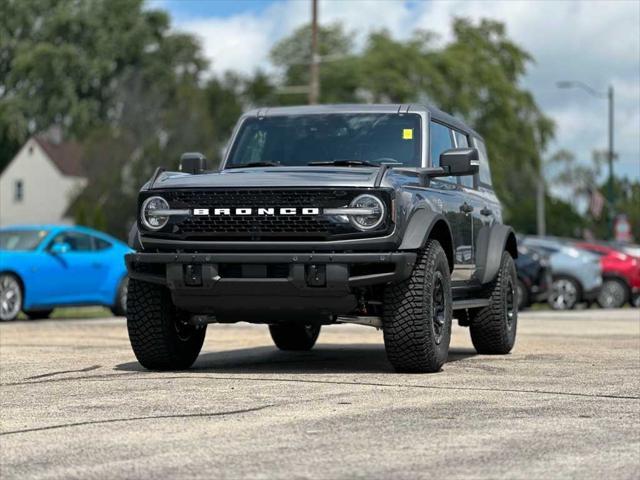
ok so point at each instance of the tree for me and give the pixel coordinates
(339, 74)
(476, 76)
(483, 69)
(579, 180)
(65, 62)
(394, 71)
(113, 74)
(627, 195)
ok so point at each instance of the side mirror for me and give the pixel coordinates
(59, 248)
(460, 161)
(193, 162)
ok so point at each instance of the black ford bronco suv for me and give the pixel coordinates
(380, 215)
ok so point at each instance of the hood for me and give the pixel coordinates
(272, 177)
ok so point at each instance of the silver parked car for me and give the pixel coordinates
(577, 275)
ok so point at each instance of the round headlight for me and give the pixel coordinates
(370, 220)
(150, 217)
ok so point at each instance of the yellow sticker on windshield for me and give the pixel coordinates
(407, 133)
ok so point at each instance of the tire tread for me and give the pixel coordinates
(489, 334)
(155, 342)
(408, 336)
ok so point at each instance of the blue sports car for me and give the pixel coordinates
(47, 266)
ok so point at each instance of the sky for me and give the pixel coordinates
(596, 42)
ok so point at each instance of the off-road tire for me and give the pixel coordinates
(413, 341)
(38, 314)
(614, 293)
(160, 337)
(493, 328)
(119, 307)
(294, 337)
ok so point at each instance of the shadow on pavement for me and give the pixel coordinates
(327, 358)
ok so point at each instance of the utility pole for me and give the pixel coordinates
(541, 224)
(314, 69)
(611, 154)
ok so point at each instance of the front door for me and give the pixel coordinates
(457, 207)
(73, 275)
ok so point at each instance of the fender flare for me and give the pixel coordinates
(420, 227)
(491, 242)
(133, 239)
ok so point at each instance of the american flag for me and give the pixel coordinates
(596, 203)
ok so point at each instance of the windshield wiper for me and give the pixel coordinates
(253, 164)
(344, 163)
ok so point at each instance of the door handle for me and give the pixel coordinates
(96, 265)
(466, 208)
(487, 212)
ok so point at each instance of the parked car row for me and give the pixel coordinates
(580, 272)
(534, 277)
(47, 266)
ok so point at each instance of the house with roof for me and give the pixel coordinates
(41, 181)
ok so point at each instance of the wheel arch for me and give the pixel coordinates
(121, 279)
(616, 276)
(8, 271)
(620, 278)
(426, 225)
(491, 243)
(133, 239)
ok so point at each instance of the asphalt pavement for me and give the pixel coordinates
(74, 403)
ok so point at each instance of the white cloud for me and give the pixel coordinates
(597, 42)
(238, 43)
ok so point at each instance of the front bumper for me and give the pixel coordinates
(262, 286)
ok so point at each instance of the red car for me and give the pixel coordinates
(620, 275)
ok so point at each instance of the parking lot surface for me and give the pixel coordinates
(74, 403)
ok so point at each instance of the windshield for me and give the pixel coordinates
(347, 139)
(21, 239)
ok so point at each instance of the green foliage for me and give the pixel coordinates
(399, 72)
(66, 62)
(477, 76)
(627, 202)
(339, 74)
(114, 75)
(579, 180)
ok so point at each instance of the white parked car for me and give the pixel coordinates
(577, 275)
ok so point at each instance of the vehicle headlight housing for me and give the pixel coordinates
(150, 215)
(371, 220)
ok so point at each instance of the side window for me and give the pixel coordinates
(463, 141)
(485, 171)
(101, 244)
(78, 242)
(440, 139)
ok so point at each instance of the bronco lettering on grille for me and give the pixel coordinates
(269, 211)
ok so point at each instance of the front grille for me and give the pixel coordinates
(260, 227)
